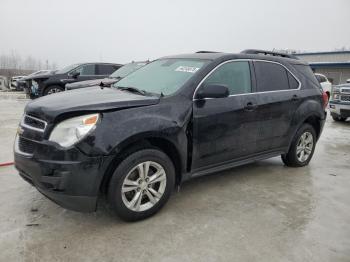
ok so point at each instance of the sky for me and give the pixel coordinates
(72, 31)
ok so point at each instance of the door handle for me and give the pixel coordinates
(250, 106)
(295, 98)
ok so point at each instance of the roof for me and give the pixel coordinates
(330, 65)
(228, 56)
(323, 53)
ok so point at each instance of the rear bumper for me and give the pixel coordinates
(71, 184)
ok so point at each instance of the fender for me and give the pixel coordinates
(305, 110)
(124, 127)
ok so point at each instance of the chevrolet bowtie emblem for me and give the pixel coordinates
(20, 130)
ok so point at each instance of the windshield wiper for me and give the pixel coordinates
(115, 77)
(133, 90)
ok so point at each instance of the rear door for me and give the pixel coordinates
(225, 129)
(278, 98)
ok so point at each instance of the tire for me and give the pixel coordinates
(305, 151)
(338, 118)
(127, 177)
(52, 89)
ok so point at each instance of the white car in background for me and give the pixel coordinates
(325, 83)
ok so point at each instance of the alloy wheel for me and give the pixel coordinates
(305, 146)
(54, 90)
(143, 186)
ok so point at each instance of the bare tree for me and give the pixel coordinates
(13, 60)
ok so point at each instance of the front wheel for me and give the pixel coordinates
(141, 184)
(302, 147)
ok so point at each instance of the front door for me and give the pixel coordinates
(86, 72)
(224, 129)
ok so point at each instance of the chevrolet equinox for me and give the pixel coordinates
(177, 118)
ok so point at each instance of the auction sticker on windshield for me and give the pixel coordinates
(187, 69)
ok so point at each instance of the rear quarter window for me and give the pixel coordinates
(106, 69)
(307, 76)
(293, 83)
(270, 77)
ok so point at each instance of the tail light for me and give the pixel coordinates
(325, 99)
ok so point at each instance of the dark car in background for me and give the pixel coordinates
(54, 82)
(21, 83)
(177, 118)
(14, 82)
(113, 78)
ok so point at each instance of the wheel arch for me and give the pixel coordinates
(44, 88)
(315, 122)
(310, 112)
(132, 145)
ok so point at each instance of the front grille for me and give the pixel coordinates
(34, 123)
(345, 90)
(26, 146)
(345, 98)
(345, 113)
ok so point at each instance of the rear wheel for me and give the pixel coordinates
(52, 90)
(141, 184)
(302, 147)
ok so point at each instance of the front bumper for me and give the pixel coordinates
(341, 109)
(72, 182)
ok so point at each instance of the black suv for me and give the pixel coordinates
(53, 82)
(113, 78)
(176, 118)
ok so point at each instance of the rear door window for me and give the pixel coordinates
(318, 77)
(106, 69)
(323, 79)
(270, 77)
(235, 75)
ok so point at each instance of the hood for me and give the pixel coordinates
(39, 76)
(93, 82)
(91, 99)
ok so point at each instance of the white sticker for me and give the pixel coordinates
(187, 69)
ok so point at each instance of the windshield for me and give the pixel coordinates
(66, 69)
(127, 69)
(164, 76)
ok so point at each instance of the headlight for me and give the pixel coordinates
(72, 130)
(336, 96)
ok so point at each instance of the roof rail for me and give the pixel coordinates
(271, 53)
(206, 52)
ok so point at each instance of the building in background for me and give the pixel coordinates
(334, 64)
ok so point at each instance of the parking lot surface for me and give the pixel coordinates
(259, 212)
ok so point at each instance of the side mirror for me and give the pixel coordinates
(75, 74)
(212, 91)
